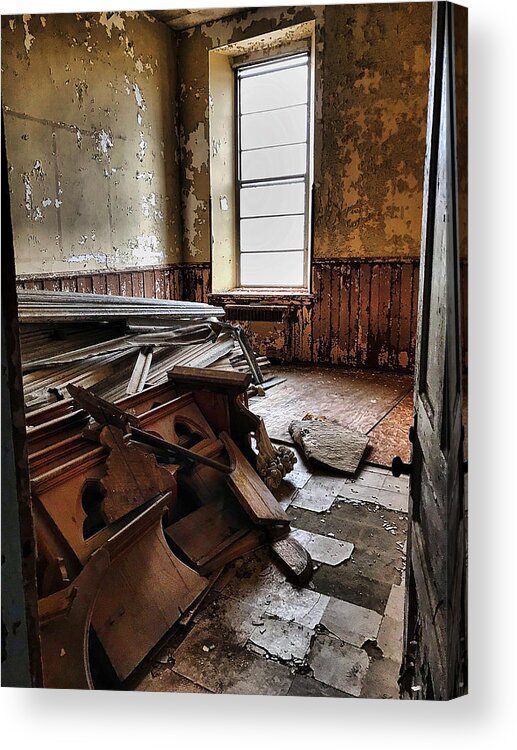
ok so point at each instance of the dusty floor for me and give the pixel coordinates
(341, 635)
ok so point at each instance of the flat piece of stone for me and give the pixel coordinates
(351, 623)
(338, 664)
(323, 549)
(319, 494)
(263, 587)
(287, 641)
(329, 443)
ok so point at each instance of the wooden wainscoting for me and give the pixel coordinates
(361, 313)
(176, 281)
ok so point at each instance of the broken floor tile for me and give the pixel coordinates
(381, 680)
(304, 686)
(323, 549)
(339, 665)
(388, 499)
(287, 641)
(395, 604)
(351, 623)
(264, 587)
(318, 494)
(389, 638)
(214, 655)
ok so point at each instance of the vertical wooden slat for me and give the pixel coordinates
(52, 285)
(316, 318)
(372, 355)
(149, 284)
(137, 281)
(126, 285)
(394, 322)
(353, 318)
(383, 315)
(414, 314)
(84, 284)
(406, 297)
(335, 305)
(99, 283)
(159, 283)
(113, 284)
(365, 275)
(69, 284)
(344, 312)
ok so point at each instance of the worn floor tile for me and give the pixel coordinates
(287, 641)
(304, 686)
(381, 680)
(166, 680)
(388, 499)
(262, 586)
(214, 655)
(323, 549)
(339, 665)
(389, 639)
(395, 605)
(351, 623)
(319, 493)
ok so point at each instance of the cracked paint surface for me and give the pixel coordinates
(370, 120)
(91, 99)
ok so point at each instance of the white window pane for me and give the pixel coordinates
(278, 161)
(274, 128)
(268, 200)
(272, 233)
(272, 269)
(280, 88)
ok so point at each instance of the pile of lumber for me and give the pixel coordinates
(118, 346)
(138, 506)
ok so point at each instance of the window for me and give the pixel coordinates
(273, 190)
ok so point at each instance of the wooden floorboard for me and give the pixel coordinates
(356, 399)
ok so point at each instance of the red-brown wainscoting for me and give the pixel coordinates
(361, 313)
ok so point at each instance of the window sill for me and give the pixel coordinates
(268, 293)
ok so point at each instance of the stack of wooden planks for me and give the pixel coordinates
(118, 346)
(138, 505)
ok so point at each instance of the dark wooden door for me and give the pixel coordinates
(435, 628)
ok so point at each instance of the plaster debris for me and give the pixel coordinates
(12, 24)
(223, 202)
(46, 202)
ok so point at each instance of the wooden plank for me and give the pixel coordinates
(84, 284)
(353, 318)
(113, 284)
(250, 491)
(206, 532)
(394, 318)
(69, 284)
(414, 314)
(137, 280)
(406, 296)
(149, 284)
(126, 285)
(99, 283)
(335, 302)
(365, 275)
(384, 315)
(159, 283)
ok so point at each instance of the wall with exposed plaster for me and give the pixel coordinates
(372, 74)
(90, 118)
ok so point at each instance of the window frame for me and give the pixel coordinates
(306, 178)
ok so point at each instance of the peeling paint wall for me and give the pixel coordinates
(372, 74)
(90, 117)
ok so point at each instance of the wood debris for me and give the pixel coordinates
(138, 505)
